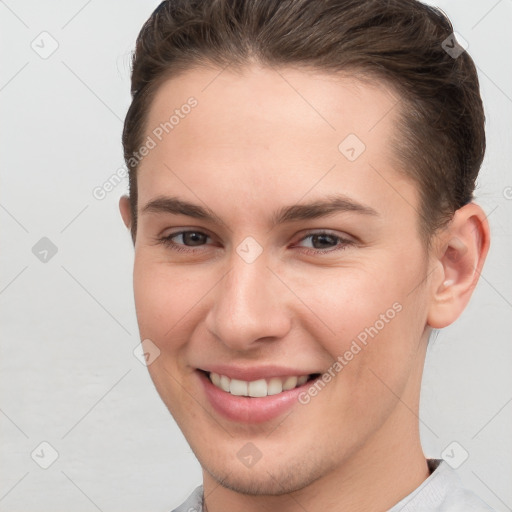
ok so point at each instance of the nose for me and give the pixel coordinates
(249, 306)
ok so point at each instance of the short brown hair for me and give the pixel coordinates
(441, 141)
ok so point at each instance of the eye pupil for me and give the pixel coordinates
(323, 237)
(194, 237)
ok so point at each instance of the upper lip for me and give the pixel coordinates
(255, 372)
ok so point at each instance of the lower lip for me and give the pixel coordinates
(248, 409)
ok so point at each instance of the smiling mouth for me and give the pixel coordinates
(258, 388)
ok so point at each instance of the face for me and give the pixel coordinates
(249, 285)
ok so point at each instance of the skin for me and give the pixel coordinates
(256, 142)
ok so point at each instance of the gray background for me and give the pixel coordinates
(69, 376)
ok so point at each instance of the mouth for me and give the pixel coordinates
(261, 387)
(252, 395)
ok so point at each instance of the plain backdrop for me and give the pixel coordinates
(69, 376)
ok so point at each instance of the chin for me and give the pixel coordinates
(266, 478)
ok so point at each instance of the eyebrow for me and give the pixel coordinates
(313, 210)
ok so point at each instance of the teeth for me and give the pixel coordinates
(275, 386)
(302, 380)
(238, 387)
(290, 383)
(215, 378)
(257, 388)
(224, 383)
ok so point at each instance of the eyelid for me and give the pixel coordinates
(167, 237)
(187, 229)
(345, 239)
(319, 231)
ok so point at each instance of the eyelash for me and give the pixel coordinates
(167, 241)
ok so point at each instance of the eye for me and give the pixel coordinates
(334, 242)
(191, 239)
(195, 238)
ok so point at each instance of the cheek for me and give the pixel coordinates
(370, 319)
(163, 296)
(347, 301)
(164, 301)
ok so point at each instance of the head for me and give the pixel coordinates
(245, 115)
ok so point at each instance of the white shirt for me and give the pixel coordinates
(442, 491)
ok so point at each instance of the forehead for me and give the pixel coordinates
(238, 104)
(259, 131)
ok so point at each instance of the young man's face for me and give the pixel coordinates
(250, 300)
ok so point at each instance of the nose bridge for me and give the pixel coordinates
(249, 302)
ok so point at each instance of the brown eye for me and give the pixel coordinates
(324, 242)
(188, 239)
(192, 237)
(322, 239)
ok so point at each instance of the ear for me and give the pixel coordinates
(460, 251)
(124, 208)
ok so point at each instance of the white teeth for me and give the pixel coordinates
(275, 386)
(238, 387)
(224, 383)
(290, 383)
(257, 388)
(215, 377)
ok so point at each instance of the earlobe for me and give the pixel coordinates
(124, 208)
(462, 249)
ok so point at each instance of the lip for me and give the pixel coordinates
(255, 373)
(250, 410)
